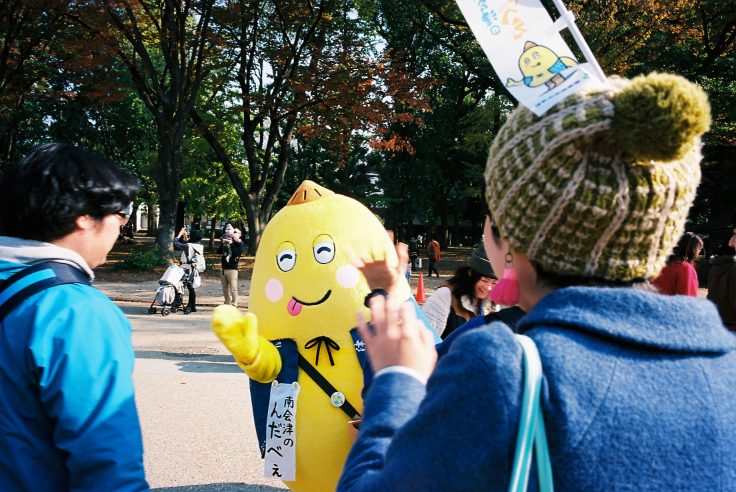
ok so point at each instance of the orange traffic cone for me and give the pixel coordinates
(421, 298)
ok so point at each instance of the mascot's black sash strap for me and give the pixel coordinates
(327, 387)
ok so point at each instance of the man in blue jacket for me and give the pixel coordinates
(68, 419)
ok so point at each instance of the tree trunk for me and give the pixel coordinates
(258, 214)
(151, 219)
(213, 222)
(456, 229)
(442, 235)
(410, 229)
(181, 215)
(134, 218)
(167, 176)
(257, 221)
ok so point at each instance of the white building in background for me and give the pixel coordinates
(141, 218)
(141, 221)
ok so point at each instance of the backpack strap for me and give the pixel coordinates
(32, 280)
(532, 435)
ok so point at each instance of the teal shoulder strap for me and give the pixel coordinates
(532, 435)
(32, 280)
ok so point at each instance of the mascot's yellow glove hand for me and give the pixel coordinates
(254, 354)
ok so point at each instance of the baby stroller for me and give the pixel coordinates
(170, 291)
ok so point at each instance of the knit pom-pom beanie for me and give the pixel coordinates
(600, 185)
(659, 117)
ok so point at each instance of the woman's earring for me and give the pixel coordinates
(506, 290)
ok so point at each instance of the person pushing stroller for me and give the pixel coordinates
(190, 246)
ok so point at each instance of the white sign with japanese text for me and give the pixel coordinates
(280, 458)
(526, 51)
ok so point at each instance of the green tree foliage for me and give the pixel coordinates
(348, 174)
(629, 37)
(392, 102)
(300, 67)
(206, 187)
(438, 175)
(169, 52)
(44, 59)
(695, 39)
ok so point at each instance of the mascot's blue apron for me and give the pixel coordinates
(260, 393)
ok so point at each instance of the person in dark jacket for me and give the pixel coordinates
(182, 242)
(68, 419)
(638, 388)
(230, 259)
(722, 282)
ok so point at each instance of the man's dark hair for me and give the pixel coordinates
(42, 195)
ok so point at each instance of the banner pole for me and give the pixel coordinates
(568, 18)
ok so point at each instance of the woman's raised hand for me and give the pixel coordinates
(395, 337)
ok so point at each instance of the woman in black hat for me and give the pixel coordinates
(464, 296)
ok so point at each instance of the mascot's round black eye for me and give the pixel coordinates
(286, 259)
(324, 249)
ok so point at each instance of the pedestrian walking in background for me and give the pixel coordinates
(637, 391)
(68, 419)
(678, 277)
(722, 281)
(231, 249)
(433, 254)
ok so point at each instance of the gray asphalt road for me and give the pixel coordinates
(194, 407)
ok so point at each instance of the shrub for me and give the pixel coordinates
(142, 260)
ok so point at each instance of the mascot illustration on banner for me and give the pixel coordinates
(540, 65)
(298, 342)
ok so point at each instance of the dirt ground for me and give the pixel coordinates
(113, 271)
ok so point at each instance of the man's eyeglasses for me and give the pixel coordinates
(123, 217)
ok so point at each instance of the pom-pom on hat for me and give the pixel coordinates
(601, 184)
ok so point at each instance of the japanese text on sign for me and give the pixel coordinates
(526, 50)
(280, 458)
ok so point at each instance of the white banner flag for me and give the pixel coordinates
(280, 458)
(527, 52)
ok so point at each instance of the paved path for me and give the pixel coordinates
(208, 294)
(192, 398)
(194, 406)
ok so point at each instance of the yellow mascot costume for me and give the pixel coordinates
(297, 343)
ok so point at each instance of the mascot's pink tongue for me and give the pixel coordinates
(295, 307)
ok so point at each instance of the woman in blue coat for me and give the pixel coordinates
(584, 204)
